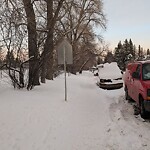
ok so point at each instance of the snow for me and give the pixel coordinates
(91, 119)
(110, 71)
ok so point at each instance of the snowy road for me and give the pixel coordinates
(91, 119)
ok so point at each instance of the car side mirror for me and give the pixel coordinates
(135, 75)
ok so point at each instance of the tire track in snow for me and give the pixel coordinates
(127, 125)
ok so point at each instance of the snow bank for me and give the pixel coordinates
(91, 119)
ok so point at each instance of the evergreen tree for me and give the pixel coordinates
(127, 51)
(140, 53)
(119, 55)
(148, 52)
(135, 52)
(109, 57)
(132, 49)
(124, 53)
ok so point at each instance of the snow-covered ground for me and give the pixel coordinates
(91, 119)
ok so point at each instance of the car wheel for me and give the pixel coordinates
(143, 112)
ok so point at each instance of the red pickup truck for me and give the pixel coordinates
(137, 85)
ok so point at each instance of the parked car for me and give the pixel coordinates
(110, 76)
(137, 85)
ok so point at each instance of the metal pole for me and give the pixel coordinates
(65, 74)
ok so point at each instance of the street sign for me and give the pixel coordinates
(65, 56)
(64, 48)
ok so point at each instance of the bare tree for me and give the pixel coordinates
(78, 24)
(47, 65)
(13, 39)
(43, 23)
(32, 44)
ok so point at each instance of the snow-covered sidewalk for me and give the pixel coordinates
(91, 119)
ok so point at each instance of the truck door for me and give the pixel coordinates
(136, 84)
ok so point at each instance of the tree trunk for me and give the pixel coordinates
(50, 70)
(48, 46)
(47, 66)
(73, 66)
(32, 45)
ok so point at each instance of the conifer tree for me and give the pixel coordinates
(119, 55)
(140, 53)
(124, 53)
(109, 57)
(127, 51)
(132, 49)
(148, 52)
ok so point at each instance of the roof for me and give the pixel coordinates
(145, 61)
(141, 62)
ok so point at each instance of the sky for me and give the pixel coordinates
(127, 19)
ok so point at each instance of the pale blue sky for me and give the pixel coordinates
(127, 19)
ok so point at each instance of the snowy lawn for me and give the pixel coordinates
(91, 119)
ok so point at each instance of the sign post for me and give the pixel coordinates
(64, 51)
(65, 70)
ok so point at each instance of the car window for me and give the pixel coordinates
(138, 69)
(146, 71)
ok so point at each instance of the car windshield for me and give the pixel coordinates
(146, 71)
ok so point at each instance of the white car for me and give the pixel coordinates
(110, 76)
